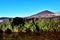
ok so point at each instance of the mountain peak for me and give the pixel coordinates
(46, 12)
(42, 14)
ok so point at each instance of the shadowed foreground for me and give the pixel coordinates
(31, 36)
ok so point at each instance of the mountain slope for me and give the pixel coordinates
(45, 13)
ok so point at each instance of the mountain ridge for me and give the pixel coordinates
(42, 14)
(45, 13)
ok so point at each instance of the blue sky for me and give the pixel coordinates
(23, 8)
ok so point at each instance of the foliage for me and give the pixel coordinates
(34, 25)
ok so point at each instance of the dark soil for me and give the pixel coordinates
(32, 36)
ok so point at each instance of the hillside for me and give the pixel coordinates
(45, 14)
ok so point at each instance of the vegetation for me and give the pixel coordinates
(33, 29)
(33, 25)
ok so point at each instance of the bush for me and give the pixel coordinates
(8, 31)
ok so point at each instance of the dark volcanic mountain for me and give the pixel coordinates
(42, 14)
